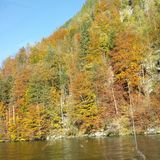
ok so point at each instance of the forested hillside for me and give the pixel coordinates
(87, 76)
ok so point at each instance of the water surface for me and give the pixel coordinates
(118, 148)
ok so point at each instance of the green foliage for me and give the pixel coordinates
(84, 43)
(21, 57)
(5, 89)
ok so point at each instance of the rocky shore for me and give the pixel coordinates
(111, 132)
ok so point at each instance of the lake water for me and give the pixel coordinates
(117, 148)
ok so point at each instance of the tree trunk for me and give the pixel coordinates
(132, 116)
(61, 105)
(115, 101)
(14, 117)
(9, 115)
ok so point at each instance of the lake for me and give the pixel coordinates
(117, 148)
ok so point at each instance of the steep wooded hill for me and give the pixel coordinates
(87, 75)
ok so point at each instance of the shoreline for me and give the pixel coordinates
(92, 135)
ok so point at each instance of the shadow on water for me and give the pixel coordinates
(117, 148)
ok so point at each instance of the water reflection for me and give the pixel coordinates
(83, 149)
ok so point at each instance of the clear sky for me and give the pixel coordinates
(28, 21)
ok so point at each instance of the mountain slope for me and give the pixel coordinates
(87, 75)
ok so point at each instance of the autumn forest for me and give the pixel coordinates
(89, 76)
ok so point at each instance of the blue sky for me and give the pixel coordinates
(28, 21)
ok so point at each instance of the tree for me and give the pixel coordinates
(126, 58)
